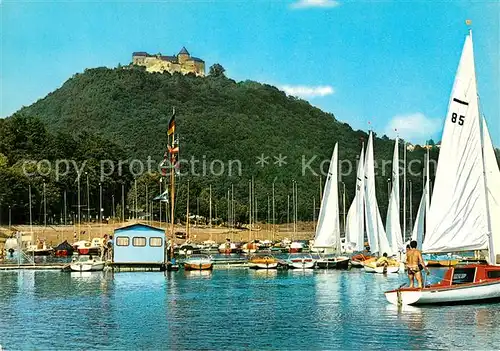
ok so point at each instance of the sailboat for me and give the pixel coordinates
(466, 196)
(377, 237)
(393, 224)
(355, 224)
(327, 238)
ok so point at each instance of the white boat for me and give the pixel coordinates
(301, 261)
(392, 224)
(355, 222)
(463, 213)
(327, 238)
(87, 264)
(377, 238)
(381, 270)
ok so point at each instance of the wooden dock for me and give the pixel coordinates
(31, 266)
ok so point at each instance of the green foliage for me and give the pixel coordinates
(216, 70)
(123, 113)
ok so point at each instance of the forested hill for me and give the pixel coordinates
(217, 118)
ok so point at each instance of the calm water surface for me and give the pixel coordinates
(236, 309)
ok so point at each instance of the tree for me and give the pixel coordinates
(216, 70)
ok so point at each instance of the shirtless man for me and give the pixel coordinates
(413, 260)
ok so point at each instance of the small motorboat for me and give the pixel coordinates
(87, 264)
(301, 261)
(229, 248)
(250, 247)
(63, 249)
(84, 247)
(39, 250)
(461, 284)
(332, 262)
(199, 263)
(263, 261)
(296, 246)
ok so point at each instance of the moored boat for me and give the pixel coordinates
(339, 262)
(300, 261)
(370, 266)
(461, 284)
(263, 261)
(198, 263)
(87, 264)
(463, 213)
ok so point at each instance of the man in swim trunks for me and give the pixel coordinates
(415, 264)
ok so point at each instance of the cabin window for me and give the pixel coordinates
(122, 241)
(493, 274)
(139, 241)
(155, 242)
(463, 275)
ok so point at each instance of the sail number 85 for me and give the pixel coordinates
(460, 118)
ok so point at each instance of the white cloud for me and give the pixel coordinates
(301, 4)
(308, 92)
(415, 127)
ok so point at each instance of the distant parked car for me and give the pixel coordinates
(180, 235)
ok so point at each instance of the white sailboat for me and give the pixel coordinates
(327, 238)
(423, 209)
(393, 224)
(355, 224)
(377, 237)
(460, 215)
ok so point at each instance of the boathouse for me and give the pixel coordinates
(139, 247)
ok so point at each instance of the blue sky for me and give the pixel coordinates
(390, 63)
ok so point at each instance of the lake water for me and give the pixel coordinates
(229, 309)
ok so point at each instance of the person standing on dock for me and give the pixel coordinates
(110, 248)
(104, 247)
(415, 264)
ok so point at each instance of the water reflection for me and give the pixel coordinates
(234, 308)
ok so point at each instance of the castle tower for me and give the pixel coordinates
(183, 55)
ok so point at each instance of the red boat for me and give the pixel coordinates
(460, 284)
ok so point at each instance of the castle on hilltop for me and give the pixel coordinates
(183, 63)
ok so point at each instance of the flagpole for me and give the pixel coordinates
(172, 195)
(187, 212)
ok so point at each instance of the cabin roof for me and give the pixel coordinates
(140, 225)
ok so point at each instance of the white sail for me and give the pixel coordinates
(355, 224)
(418, 228)
(377, 238)
(328, 229)
(493, 190)
(457, 220)
(393, 224)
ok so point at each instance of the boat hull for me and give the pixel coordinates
(333, 264)
(270, 265)
(381, 270)
(198, 266)
(455, 294)
(87, 267)
(302, 264)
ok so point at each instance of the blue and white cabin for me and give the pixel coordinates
(139, 244)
